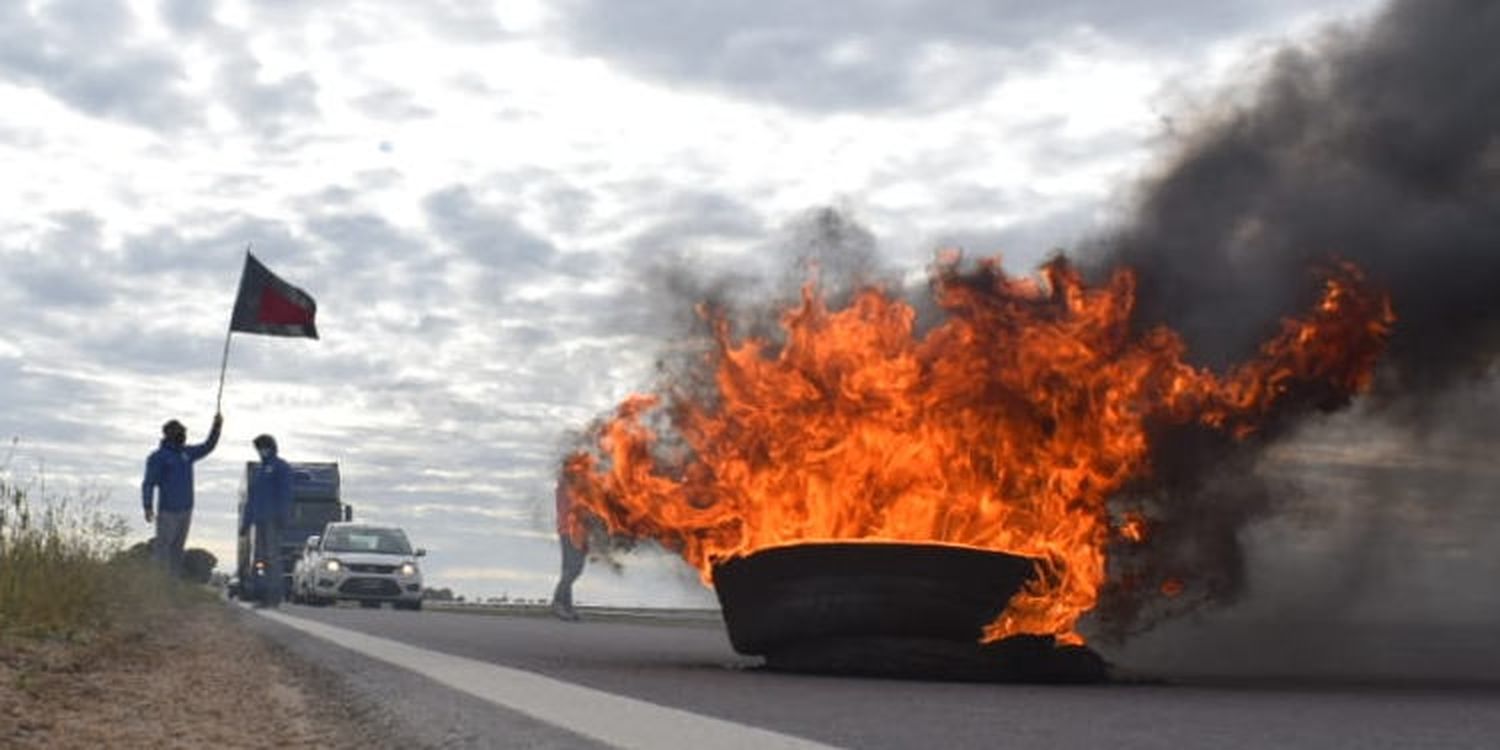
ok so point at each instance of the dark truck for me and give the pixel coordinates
(315, 503)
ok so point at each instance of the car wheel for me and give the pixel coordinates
(370, 605)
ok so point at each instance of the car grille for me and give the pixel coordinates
(381, 569)
(370, 587)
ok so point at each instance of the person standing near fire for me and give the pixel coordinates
(574, 547)
(267, 505)
(169, 478)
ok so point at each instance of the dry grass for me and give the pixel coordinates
(58, 578)
(99, 649)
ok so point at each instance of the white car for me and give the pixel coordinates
(368, 563)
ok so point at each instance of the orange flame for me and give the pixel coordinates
(1006, 427)
(1134, 527)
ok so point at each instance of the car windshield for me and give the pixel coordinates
(383, 541)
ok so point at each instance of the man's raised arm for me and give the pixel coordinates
(206, 447)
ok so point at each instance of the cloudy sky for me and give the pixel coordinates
(481, 197)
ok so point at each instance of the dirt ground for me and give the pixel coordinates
(187, 678)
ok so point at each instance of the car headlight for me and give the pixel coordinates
(332, 566)
(408, 569)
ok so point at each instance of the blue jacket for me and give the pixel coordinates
(269, 499)
(169, 470)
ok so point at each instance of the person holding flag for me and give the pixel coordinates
(265, 305)
(169, 475)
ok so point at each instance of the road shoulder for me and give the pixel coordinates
(191, 676)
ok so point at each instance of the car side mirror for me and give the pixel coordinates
(312, 541)
(421, 552)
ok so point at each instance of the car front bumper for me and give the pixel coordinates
(346, 584)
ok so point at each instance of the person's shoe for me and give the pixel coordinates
(564, 612)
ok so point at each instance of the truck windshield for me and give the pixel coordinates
(383, 541)
(313, 515)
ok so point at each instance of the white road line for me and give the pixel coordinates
(615, 720)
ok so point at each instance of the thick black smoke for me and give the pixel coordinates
(1380, 146)
(1383, 148)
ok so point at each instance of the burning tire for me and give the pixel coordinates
(785, 596)
(912, 611)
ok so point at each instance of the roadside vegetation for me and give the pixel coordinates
(99, 648)
(62, 574)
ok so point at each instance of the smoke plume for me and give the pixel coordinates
(1379, 145)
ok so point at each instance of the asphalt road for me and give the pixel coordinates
(1408, 700)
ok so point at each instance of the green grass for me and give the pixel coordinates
(60, 570)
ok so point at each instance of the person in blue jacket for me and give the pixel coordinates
(267, 507)
(169, 475)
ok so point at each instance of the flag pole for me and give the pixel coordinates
(223, 365)
(224, 360)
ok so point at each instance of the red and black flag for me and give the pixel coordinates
(268, 305)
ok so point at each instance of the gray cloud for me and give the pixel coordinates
(392, 104)
(363, 237)
(164, 251)
(64, 271)
(461, 20)
(268, 107)
(873, 55)
(188, 16)
(489, 236)
(89, 56)
(83, 54)
(44, 406)
(682, 219)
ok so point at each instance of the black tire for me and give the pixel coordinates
(415, 606)
(788, 595)
(366, 604)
